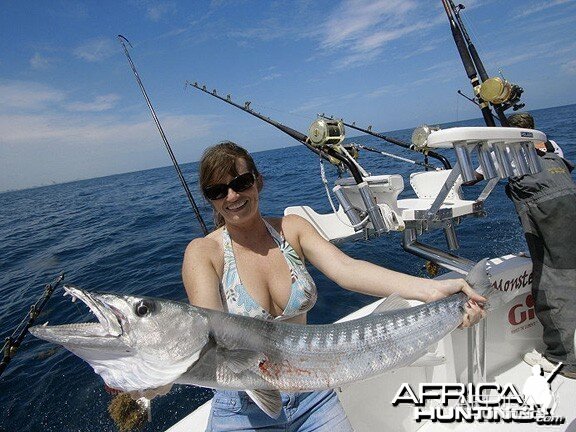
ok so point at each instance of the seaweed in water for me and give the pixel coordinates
(128, 414)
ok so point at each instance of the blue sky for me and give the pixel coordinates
(70, 108)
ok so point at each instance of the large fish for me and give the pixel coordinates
(143, 343)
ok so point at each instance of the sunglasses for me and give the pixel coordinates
(237, 184)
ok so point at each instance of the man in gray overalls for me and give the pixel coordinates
(546, 205)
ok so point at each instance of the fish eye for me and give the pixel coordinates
(144, 308)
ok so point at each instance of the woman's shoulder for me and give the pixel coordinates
(291, 227)
(287, 223)
(205, 246)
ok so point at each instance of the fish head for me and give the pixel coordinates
(138, 343)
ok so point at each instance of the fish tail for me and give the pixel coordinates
(479, 279)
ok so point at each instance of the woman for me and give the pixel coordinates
(254, 266)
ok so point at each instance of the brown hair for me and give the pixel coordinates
(219, 161)
(521, 120)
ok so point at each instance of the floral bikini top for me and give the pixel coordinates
(238, 301)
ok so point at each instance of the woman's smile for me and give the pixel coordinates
(237, 206)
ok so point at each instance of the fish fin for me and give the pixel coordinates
(269, 401)
(429, 359)
(240, 360)
(392, 302)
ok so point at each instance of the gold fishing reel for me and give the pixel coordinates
(326, 132)
(498, 91)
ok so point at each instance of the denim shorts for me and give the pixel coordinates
(303, 412)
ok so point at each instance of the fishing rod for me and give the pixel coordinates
(393, 156)
(468, 63)
(122, 40)
(325, 138)
(497, 91)
(478, 63)
(475, 103)
(395, 141)
(325, 152)
(12, 343)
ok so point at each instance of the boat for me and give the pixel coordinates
(489, 355)
(491, 352)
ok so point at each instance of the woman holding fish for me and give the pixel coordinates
(254, 266)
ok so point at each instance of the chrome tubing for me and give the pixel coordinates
(505, 167)
(444, 259)
(534, 164)
(451, 238)
(485, 156)
(372, 208)
(519, 159)
(349, 210)
(465, 161)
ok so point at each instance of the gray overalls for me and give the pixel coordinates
(546, 205)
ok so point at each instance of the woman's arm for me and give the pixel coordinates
(367, 278)
(199, 275)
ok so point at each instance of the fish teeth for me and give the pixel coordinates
(68, 293)
(45, 324)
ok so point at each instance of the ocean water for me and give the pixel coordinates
(127, 233)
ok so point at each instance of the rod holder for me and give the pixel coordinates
(534, 164)
(349, 210)
(487, 162)
(520, 162)
(372, 208)
(462, 151)
(505, 167)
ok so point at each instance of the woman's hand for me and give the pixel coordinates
(443, 288)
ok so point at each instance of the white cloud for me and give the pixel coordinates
(267, 30)
(39, 136)
(271, 76)
(28, 97)
(82, 131)
(539, 7)
(100, 103)
(155, 11)
(311, 105)
(533, 52)
(569, 67)
(322, 104)
(361, 29)
(25, 95)
(39, 62)
(380, 91)
(47, 148)
(96, 50)
(354, 22)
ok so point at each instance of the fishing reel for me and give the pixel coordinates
(501, 92)
(326, 132)
(421, 134)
